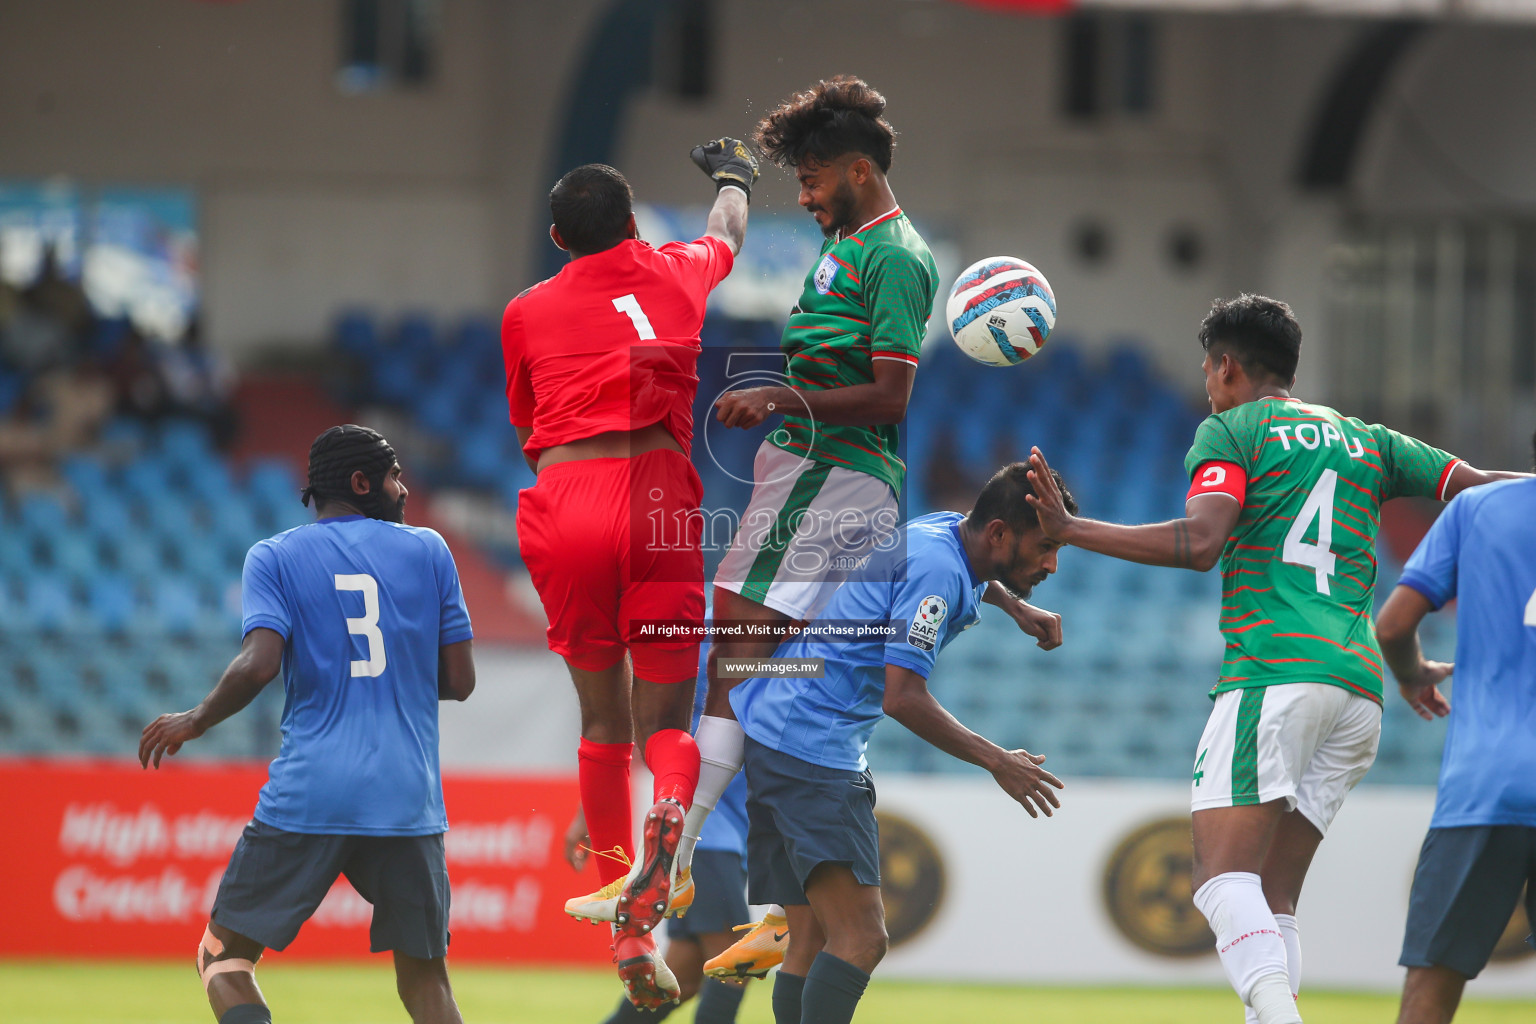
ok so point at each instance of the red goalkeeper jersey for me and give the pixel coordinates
(611, 342)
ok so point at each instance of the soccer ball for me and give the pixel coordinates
(1000, 311)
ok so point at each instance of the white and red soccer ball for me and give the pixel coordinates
(1000, 311)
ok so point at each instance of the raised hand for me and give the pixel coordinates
(727, 161)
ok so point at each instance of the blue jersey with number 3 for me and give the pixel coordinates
(363, 606)
(1482, 551)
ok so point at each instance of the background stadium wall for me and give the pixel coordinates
(428, 197)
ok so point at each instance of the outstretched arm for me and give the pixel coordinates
(1464, 476)
(1193, 542)
(732, 166)
(728, 218)
(260, 658)
(1397, 629)
(1018, 772)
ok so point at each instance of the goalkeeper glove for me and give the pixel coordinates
(727, 162)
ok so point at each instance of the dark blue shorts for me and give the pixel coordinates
(801, 815)
(276, 879)
(1464, 891)
(719, 898)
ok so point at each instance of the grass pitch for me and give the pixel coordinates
(52, 992)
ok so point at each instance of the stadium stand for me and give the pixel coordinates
(1125, 696)
(119, 589)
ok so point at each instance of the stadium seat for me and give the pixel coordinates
(112, 601)
(73, 553)
(48, 604)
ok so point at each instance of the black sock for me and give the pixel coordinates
(629, 1013)
(787, 989)
(832, 990)
(718, 1002)
(247, 1013)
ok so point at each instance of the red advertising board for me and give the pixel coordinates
(105, 859)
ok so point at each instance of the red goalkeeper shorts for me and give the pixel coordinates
(612, 541)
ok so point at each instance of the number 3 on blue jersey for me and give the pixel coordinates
(368, 625)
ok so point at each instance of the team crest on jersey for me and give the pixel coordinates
(931, 612)
(826, 270)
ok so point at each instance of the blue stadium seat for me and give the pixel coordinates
(73, 553)
(175, 605)
(148, 479)
(17, 556)
(139, 556)
(183, 442)
(12, 387)
(125, 436)
(112, 601)
(273, 481)
(86, 475)
(357, 335)
(41, 514)
(47, 603)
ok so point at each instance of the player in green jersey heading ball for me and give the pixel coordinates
(1287, 496)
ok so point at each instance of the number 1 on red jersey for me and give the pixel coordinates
(630, 307)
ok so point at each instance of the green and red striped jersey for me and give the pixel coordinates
(868, 297)
(1299, 571)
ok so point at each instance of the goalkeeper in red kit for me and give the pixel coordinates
(601, 364)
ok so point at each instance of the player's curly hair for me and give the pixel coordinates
(338, 453)
(1002, 497)
(834, 117)
(1262, 334)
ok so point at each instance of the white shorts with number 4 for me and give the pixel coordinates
(1305, 743)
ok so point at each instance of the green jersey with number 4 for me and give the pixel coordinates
(1299, 571)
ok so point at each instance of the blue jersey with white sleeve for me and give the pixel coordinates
(924, 590)
(1482, 551)
(363, 606)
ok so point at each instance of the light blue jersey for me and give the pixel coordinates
(1482, 551)
(924, 589)
(363, 606)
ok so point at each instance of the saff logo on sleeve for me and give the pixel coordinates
(826, 270)
(931, 612)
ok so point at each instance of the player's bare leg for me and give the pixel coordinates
(835, 943)
(1431, 995)
(616, 710)
(1232, 847)
(731, 606)
(226, 961)
(425, 991)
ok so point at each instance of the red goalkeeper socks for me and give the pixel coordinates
(604, 781)
(673, 759)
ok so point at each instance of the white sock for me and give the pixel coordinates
(776, 910)
(1292, 936)
(720, 742)
(1249, 943)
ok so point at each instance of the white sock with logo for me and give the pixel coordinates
(1250, 945)
(720, 742)
(1292, 936)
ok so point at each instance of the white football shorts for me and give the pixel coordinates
(807, 527)
(1306, 743)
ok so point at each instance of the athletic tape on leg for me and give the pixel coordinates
(208, 966)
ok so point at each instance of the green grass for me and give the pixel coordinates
(50, 992)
